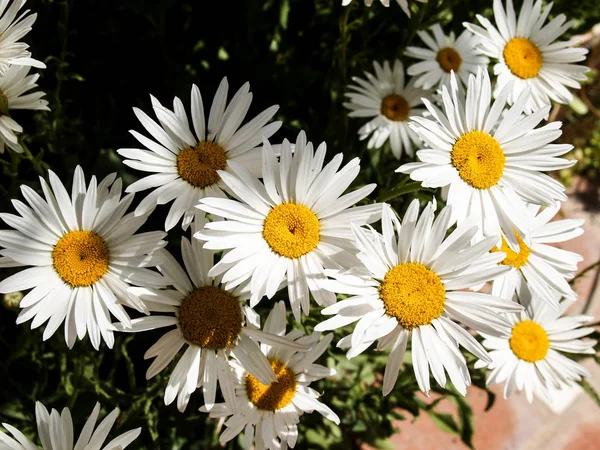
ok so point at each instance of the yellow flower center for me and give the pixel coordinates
(479, 159)
(198, 165)
(211, 318)
(523, 57)
(449, 59)
(529, 341)
(395, 107)
(80, 258)
(278, 394)
(413, 294)
(291, 230)
(513, 258)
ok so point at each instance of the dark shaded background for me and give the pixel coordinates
(103, 58)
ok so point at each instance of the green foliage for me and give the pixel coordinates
(104, 58)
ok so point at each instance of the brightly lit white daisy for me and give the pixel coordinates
(528, 55)
(530, 359)
(444, 55)
(13, 28)
(411, 286)
(85, 255)
(536, 266)
(186, 163)
(212, 323)
(55, 432)
(13, 87)
(403, 4)
(385, 98)
(488, 159)
(291, 227)
(268, 415)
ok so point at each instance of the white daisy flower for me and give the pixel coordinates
(13, 87)
(269, 415)
(386, 99)
(289, 227)
(444, 55)
(411, 285)
(212, 323)
(55, 432)
(13, 28)
(85, 255)
(488, 160)
(528, 55)
(536, 266)
(403, 4)
(186, 163)
(530, 358)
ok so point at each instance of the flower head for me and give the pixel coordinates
(85, 255)
(269, 415)
(529, 56)
(186, 163)
(411, 286)
(288, 228)
(385, 97)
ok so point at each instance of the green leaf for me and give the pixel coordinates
(465, 416)
(383, 444)
(491, 399)
(402, 189)
(284, 13)
(587, 387)
(445, 422)
(359, 427)
(577, 105)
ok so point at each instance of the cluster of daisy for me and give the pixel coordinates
(483, 145)
(263, 218)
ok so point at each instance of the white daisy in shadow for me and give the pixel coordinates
(268, 415)
(211, 323)
(487, 160)
(289, 227)
(55, 432)
(386, 99)
(14, 86)
(13, 28)
(185, 163)
(530, 357)
(411, 285)
(444, 55)
(85, 255)
(535, 265)
(528, 54)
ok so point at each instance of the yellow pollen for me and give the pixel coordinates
(395, 107)
(413, 294)
(513, 258)
(80, 258)
(198, 165)
(523, 57)
(291, 230)
(479, 159)
(529, 341)
(278, 394)
(211, 318)
(449, 59)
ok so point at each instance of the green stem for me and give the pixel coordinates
(399, 190)
(39, 166)
(584, 271)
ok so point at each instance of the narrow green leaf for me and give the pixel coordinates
(587, 387)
